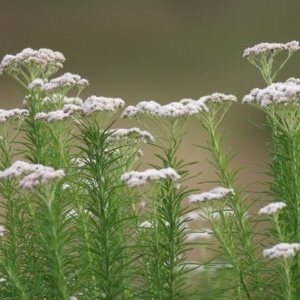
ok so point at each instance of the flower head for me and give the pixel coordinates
(94, 104)
(136, 178)
(218, 97)
(264, 48)
(183, 108)
(43, 59)
(15, 113)
(271, 208)
(42, 175)
(283, 250)
(281, 92)
(51, 116)
(17, 169)
(213, 194)
(134, 134)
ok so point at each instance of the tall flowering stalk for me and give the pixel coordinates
(280, 102)
(164, 271)
(235, 234)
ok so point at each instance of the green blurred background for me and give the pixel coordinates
(160, 50)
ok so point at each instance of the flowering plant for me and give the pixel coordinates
(80, 220)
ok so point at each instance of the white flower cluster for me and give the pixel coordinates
(34, 174)
(136, 178)
(213, 194)
(183, 108)
(205, 233)
(134, 134)
(263, 48)
(271, 208)
(42, 57)
(280, 92)
(284, 250)
(218, 97)
(42, 175)
(15, 113)
(67, 80)
(51, 116)
(95, 103)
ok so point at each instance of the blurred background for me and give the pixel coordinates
(163, 51)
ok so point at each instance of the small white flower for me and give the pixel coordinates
(271, 208)
(214, 194)
(2, 230)
(146, 224)
(284, 250)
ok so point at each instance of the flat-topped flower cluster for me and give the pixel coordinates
(263, 48)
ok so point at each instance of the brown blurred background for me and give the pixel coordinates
(160, 50)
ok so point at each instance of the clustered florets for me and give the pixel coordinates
(134, 134)
(34, 174)
(136, 178)
(280, 92)
(44, 58)
(95, 103)
(282, 250)
(15, 113)
(214, 194)
(271, 208)
(184, 108)
(263, 48)
(67, 80)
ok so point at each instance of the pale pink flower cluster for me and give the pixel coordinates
(284, 250)
(136, 178)
(183, 108)
(280, 92)
(51, 116)
(17, 169)
(67, 80)
(95, 103)
(40, 176)
(34, 174)
(263, 48)
(15, 113)
(134, 134)
(213, 194)
(42, 57)
(271, 208)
